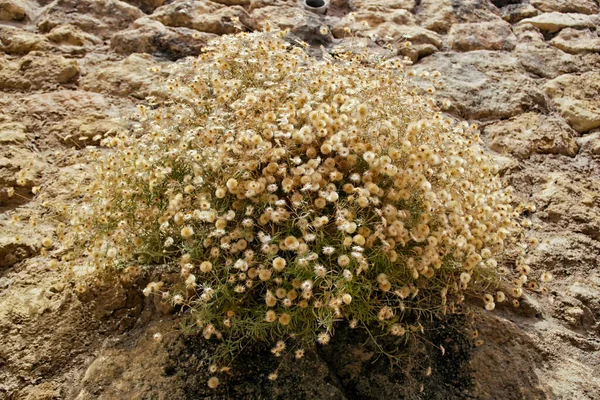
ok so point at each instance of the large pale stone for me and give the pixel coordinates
(414, 34)
(440, 15)
(19, 41)
(531, 133)
(202, 15)
(233, 2)
(153, 37)
(567, 6)
(516, 12)
(69, 117)
(423, 41)
(493, 35)
(147, 6)
(285, 18)
(383, 5)
(365, 22)
(128, 77)
(483, 84)
(590, 143)
(577, 41)
(16, 10)
(71, 35)
(541, 59)
(554, 22)
(100, 17)
(577, 99)
(38, 70)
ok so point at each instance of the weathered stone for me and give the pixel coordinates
(590, 143)
(365, 23)
(16, 10)
(494, 35)
(440, 15)
(202, 15)
(567, 6)
(128, 77)
(233, 2)
(71, 35)
(516, 12)
(153, 37)
(100, 17)
(554, 22)
(37, 70)
(576, 97)
(147, 6)
(68, 117)
(19, 41)
(382, 5)
(12, 133)
(483, 84)
(531, 133)
(539, 58)
(285, 18)
(414, 34)
(577, 41)
(254, 4)
(527, 33)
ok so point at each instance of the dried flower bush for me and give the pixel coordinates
(294, 192)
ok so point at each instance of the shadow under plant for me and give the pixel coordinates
(350, 367)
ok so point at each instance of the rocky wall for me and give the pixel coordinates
(528, 72)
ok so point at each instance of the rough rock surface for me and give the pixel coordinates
(532, 133)
(554, 22)
(527, 71)
(483, 84)
(102, 17)
(576, 41)
(17, 10)
(496, 35)
(567, 6)
(150, 36)
(576, 97)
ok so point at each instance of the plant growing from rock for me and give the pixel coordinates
(293, 193)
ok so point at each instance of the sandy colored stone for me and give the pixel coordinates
(67, 118)
(576, 41)
(233, 2)
(38, 70)
(516, 12)
(541, 59)
(285, 17)
(201, 15)
(531, 133)
(567, 6)
(494, 35)
(71, 35)
(128, 77)
(17, 10)
(365, 22)
(590, 143)
(147, 6)
(440, 15)
(554, 22)
(576, 97)
(19, 41)
(150, 36)
(99, 17)
(383, 5)
(483, 84)
(12, 133)
(254, 4)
